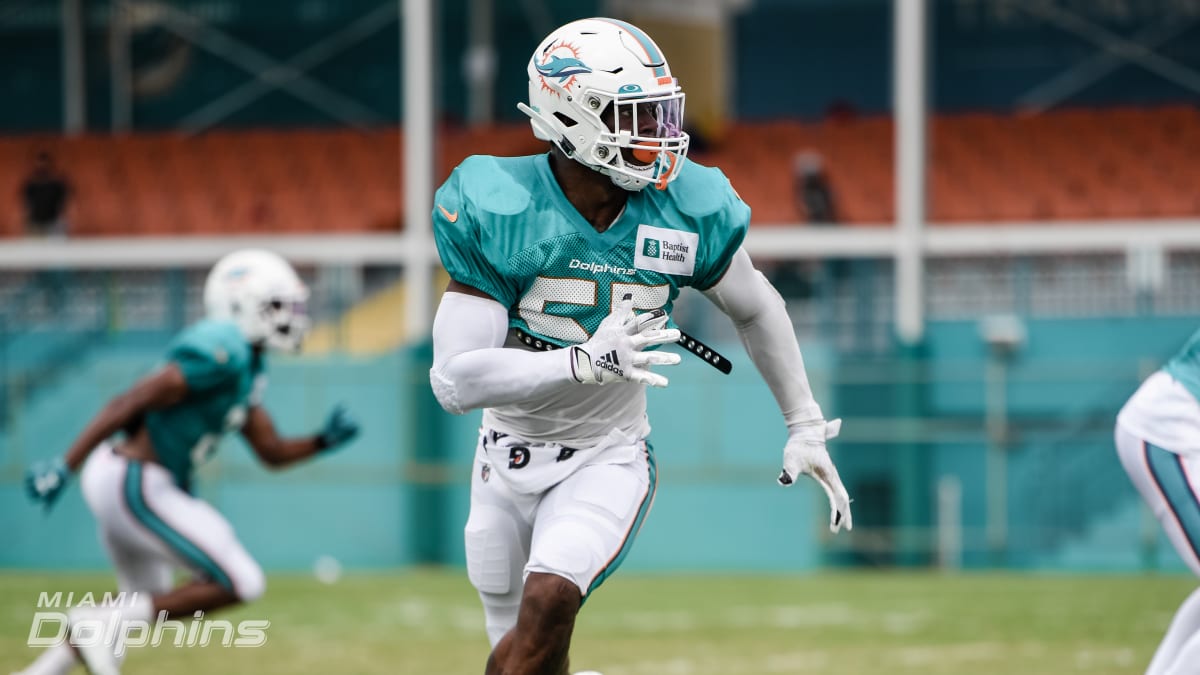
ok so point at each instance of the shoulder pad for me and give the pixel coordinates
(497, 185)
(700, 190)
(219, 341)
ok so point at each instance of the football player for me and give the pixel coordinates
(1158, 440)
(564, 267)
(173, 419)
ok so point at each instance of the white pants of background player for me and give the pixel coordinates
(1158, 441)
(545, 508)
(151, 528)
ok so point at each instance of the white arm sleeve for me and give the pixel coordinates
(473, 369)
(762, 323)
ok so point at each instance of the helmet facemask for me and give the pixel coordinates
(643, 141)
(285, 322)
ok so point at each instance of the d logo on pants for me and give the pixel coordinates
(518, 457)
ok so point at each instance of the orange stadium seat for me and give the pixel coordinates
(1073, 164)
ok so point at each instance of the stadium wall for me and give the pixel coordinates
(399, 495)
(985, 54)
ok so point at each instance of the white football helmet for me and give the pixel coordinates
(262, 294)
(601, 90)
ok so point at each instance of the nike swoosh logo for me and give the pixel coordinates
(452, 217)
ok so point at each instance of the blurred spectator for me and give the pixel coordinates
(814, 199)
(45, 193)
(840, 111)
(700, 142)
(815, 203)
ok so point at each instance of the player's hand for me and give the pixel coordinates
(805, 453)
(615, 353)
(45, 481)
(340, 428)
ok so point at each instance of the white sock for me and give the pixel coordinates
(500, 613)
(1187, 662)
(141, 609)
(1184, 628)
(56, 660)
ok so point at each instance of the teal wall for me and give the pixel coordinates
(399, 496)
(350, 504)
(1064, 387)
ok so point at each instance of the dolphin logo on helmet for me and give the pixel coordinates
(562, 68)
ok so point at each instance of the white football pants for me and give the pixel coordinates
(150, 527)
(580, 528)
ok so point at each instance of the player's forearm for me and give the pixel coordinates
(160, 388)
(471, 367)
(486, 378)
(765, 329)
(771, 344)
(114, 416)
(287, 451)
(277, 451)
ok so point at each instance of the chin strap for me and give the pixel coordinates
(664, 176)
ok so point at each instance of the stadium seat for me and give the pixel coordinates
(1070, 164)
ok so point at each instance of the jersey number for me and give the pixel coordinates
(204, 447)
(582, 292)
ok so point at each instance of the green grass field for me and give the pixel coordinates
(429, 621)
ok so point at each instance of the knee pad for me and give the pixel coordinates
(576, 555)
(495, 553)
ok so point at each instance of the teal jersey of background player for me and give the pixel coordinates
(223, 375)
(503, 226)
(1185, 365)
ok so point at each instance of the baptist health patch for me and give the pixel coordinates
(666, 251)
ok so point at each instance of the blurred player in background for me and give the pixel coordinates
(1158, 440)
(564, 268)
(173, 419)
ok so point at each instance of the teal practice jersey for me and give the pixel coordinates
(1185, 365)
(503, 226)
(222, 372)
